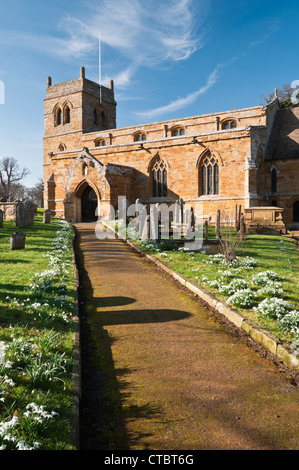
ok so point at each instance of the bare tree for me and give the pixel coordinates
(10, 176)
(230, 239)
(37, 193)
(284, 95)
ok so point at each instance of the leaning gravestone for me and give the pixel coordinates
(1, 218)
(47, 216)
(17, 241)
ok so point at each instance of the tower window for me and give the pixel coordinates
(95, 116)
(159, 178)
(58, 117)
(209, 173)
(102, 120)
(67, 115)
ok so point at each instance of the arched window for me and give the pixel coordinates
(139, 137)
(67, 115)
(229, 124)
(95, 116)
(58, 117)
(100, 143)
(273, 180)
(209, 175)
(159, 179)
(178, 131)
(62, 147)
(84, 169)
(102, 120)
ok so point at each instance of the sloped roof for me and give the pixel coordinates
(284, 138)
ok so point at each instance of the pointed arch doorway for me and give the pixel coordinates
(89, 205)
(86, 202)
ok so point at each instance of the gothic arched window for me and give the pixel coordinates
(67, 115)
(102, 120)
(95, 116)
(58, 117)
(209, 175)
(159, 178)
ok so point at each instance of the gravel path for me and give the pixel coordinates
(160, 372)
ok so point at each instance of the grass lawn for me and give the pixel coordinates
(36, 337)
(266, 270)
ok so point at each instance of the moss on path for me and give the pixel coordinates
(159, 372)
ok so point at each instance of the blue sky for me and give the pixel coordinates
(168, 58)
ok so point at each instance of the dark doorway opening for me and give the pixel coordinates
(296, 212)
(89, 204)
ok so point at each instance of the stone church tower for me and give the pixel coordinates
(72, 109)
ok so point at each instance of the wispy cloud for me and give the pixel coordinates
(146, 34)
(213, 78)
(182, 102)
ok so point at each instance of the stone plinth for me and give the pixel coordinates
(264, 220)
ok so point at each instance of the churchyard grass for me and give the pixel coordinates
(36, 337)
(262, 284)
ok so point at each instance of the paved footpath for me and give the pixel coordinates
(159, 372)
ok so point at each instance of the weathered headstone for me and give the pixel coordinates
(21, 217)
(154, 223)
(242, 226)
(30, 208)
(17, 241)
(206, 231)
(47, 216)
(1, 218)
(146, 229)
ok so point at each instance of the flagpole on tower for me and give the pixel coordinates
(100, 65)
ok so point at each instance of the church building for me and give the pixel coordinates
(248, 157)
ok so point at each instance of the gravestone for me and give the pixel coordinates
(146, 229)
(242, 226)
(206, 231)
(1, 218)
(30, 208)
(21, 216)
(17, 241)
(47, 216)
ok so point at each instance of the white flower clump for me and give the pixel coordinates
(274, 308)
(33, 417)
(242, 298)
(290, 322)
(263, 278)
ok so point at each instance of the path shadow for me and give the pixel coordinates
(130, 317)
(103, 387)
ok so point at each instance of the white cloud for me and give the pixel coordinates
(183, 102)
(146, 34)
